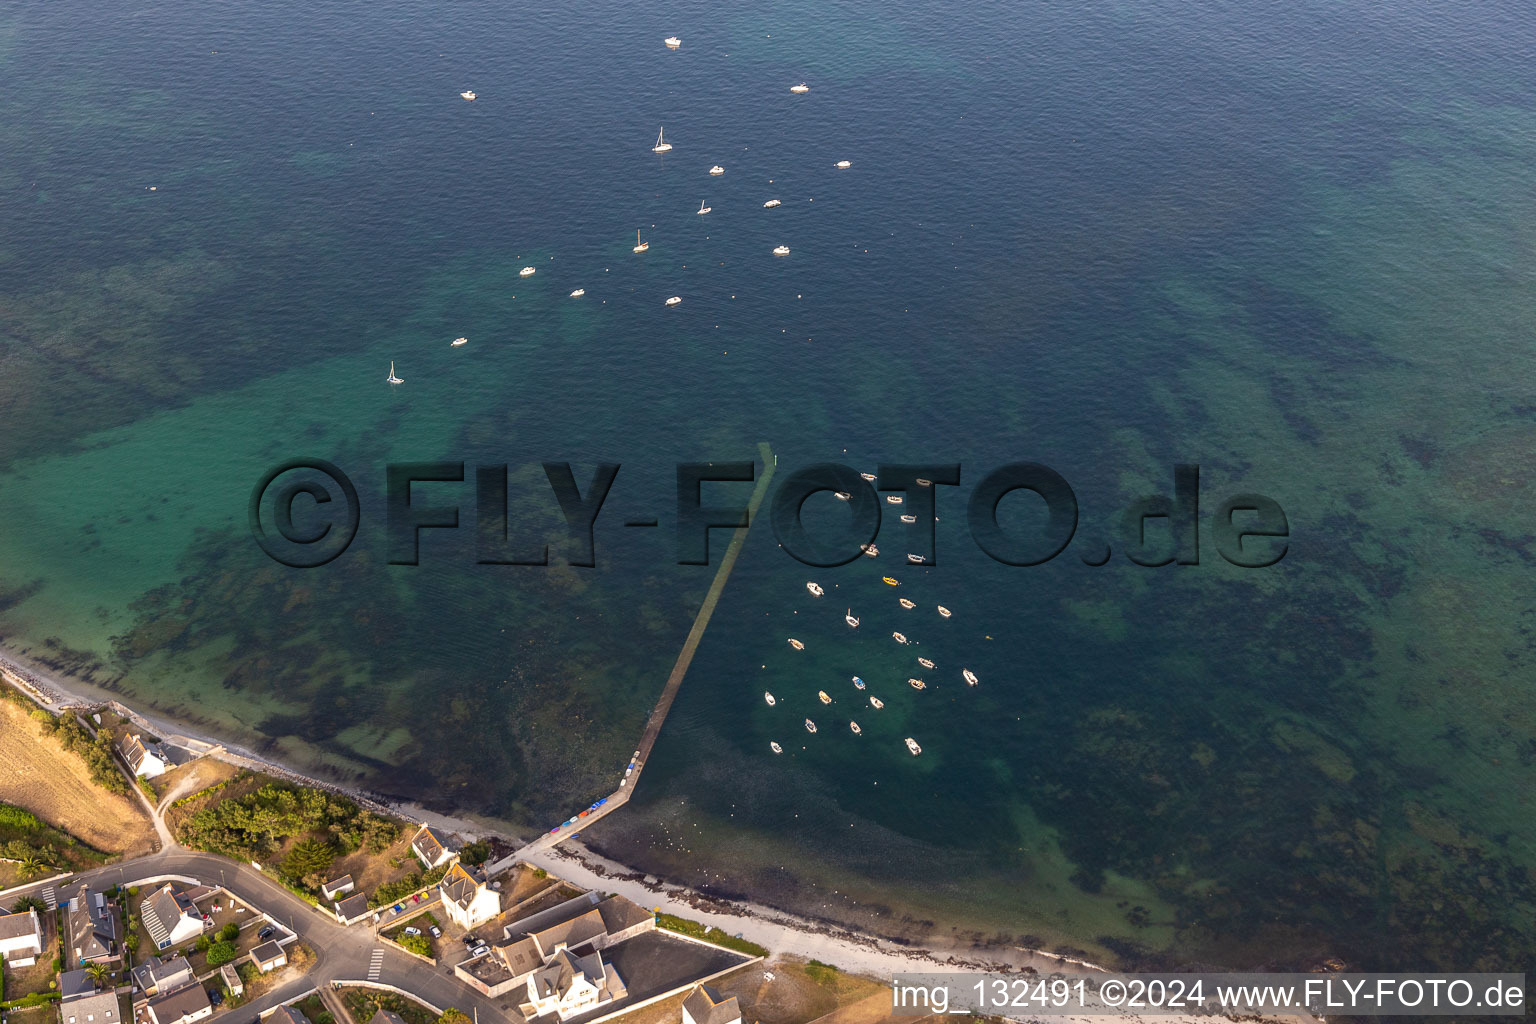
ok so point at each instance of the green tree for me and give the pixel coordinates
(97, 973)
(203, 942)
(229, 932)
(222, 953)
(453, 1015)
(418, 944)
(27, 903)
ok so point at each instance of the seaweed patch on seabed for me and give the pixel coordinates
(409, 662)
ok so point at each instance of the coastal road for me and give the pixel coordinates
(342, 954)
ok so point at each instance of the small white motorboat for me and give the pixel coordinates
(468, 94)
(900, 638)
(810, 726)
(868, 476)
(924, 483)
(775, 747)
(876, 703)
(704, 209)
(909, 518)
(675, 300)
(796, 644)
(802, 87)
(854, 726)
(456, 342)
(893, 499)
(925, 662)
(526, 272)
(639, 245)
(672, 42)
(842, 495)
(851, 619)
(858, 683)
(912, 746)
(909, 605)
(821, 695)
(814, 588)
(915, 559)
(578, 293)
(770, 204)
(970, 676)
(662, 145)
(392, 379)
(917, 684)
(872, 550)
(945, 611)
(781, 250)
(769, 698)
(843, 165)
(717, 170)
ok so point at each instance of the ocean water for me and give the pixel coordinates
(1291, 243)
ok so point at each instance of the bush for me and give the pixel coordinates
(203, 942)
(325, 1017)
(418, 944)
(229, 932)
(27, 903)
(540, 873)
(221, 953)
(714, 935)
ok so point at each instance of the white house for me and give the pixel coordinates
(146, 759)
(269, 956)
(432, 848)
(336, 886)
(170, 917)
(706, 1006)
(571, 985)
(468, 900)
(21, 938)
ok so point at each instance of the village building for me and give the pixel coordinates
(352, 909)
(170, 917)
(467, 897)
(147, 760)
(231, 979)
(92, 929)
(432, 847)
(285, 1015)
(155, 976)
(182, 1006)
(705, 1005)
(97, 1008)
(21, 937)
(269, 956)
(336, 886)
(584, 926)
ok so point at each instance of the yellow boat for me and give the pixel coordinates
(823, 695)
(894, 583)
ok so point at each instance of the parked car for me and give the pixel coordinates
(437, 932)
(266, 933)
(416, 898)
(480, 950)
(215, 996)
(471, 940)
(398, 908)
(411, 929)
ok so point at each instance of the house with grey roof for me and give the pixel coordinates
(147, 760)
(352, 909)
(92, 928)
(336, 886)
(285, 1015)
(570, 985)
(585, 924)
(269, 956)
(467, 898)
(704, 1005)
(74, 984)
(170, 917)
(21, 937)
(182, 1006)
(386, 1017)
(155, 976)
(97, 1008)
(433, 847)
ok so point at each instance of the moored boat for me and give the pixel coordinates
(717, 170)
(456, 342)
(909, 605)
(775, 747)
(858, 683)
(672, 42)
(770, 204)
(769, 698)
(925, 662)
(781, 250)
(915, 559)
(854, 726)
(851, 619)
(821, 695)
(796, 644)
(526, 272)
(893, 499)
(843, 165)
(900, 638)
(945, 611)
(814, 587)
(871, 550)
(917, 684)
(841, 495)
(578, 293)
(876, 703)
(970, 676)
(810, 726)
(891, 581)
(912, 746)
(907, 518)
(468, 94)
(662, 145)
(802, 87)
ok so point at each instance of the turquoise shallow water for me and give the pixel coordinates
(1291, 243)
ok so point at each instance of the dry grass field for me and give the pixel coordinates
(38, 774)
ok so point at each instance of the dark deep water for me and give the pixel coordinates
(1293, 243)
